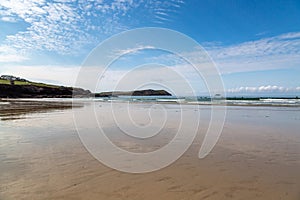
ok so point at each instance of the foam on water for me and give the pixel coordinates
(181, 100)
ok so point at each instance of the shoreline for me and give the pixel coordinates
(75, 102)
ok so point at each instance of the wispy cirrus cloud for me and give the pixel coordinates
(278, 52)
(133, 50)
(65, 26)
(53, 26)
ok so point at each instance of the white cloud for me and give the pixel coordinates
(182, 79)
(65, 26)
(291, 35)
(283, 44)
(8, 19)
(12, 58)
(264, 89)
(9, 54)
(133, 50)
(176, 79)
(53, 26)
(277, 52)
(162, 18)
(54, 74)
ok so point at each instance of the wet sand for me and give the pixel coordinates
(256, 157)
(15, 108)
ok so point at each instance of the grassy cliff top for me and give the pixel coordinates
(7, 82)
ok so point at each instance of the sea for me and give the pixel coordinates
(200, 100)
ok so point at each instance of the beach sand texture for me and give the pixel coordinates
(256, 157)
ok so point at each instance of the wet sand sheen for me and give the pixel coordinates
(257, 157)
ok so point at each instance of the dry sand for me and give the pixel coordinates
(257, 157)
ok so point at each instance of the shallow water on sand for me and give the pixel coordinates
(256, 157)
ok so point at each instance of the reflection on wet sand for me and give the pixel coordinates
(257, 157)
(11, 109)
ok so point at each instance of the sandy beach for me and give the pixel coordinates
(256, 157)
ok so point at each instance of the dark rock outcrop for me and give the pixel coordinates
(134, 93)
(33, 91)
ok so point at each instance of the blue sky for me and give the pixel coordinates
(255, 44)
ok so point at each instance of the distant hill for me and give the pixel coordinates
(148, 92)
(15, 87)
